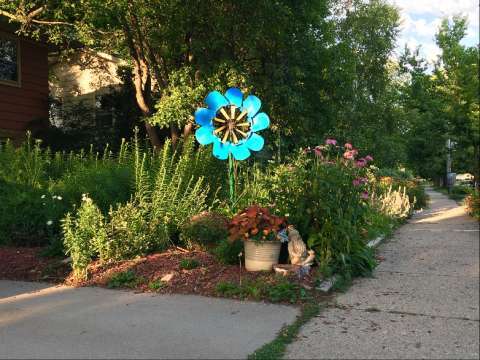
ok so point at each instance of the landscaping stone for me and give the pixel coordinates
(423, 301)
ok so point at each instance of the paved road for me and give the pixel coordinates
(41, 321)
(423, 301)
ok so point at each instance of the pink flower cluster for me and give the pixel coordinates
(362, 162)
(350, 154)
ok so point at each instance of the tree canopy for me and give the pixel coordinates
(321, 67)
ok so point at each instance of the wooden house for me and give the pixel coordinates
(23, 84)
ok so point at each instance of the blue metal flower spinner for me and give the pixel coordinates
(231, 123)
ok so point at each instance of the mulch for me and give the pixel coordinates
(27, 264)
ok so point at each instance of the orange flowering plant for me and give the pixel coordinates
(256, 223)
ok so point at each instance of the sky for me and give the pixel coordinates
(420, 20)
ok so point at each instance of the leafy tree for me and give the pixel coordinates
(443, 105)
(456, 79)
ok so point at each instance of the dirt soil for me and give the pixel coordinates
(27, 264)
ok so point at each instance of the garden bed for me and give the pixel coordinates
(144, 274)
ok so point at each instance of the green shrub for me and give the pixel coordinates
(417, 195)
(84, 233)
(107, 184)
(321, 201)
(29, 216)
(204, 230)
(227, 289)
(227, 252)
(172, 192)
(281, 291)
(247, 290)
(156, 285)
(189, 264)
(284, 292)
(126, 279)
(132, 232)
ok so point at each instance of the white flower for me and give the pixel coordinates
(49, 222)
(59, 198)
(42, 197)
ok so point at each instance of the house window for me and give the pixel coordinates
(9, 60)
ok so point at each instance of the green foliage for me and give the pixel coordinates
(285, 291)
(39, 187)
(443, 105)
(156, 285)
(189, 264)
(131, 234)
(107, 183)
(322, 202)
(84, 233)
(227, 252)
(457, 192)
(172, 188)
(125, 279)
(204, 230)
(278, 291)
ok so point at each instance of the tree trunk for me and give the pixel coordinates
(142, 83)
(174, 134)
(187, 130)
(144, 107)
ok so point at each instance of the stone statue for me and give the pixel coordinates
(297, 250)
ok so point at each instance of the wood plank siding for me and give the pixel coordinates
(24, 106)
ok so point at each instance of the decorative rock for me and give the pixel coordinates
(285, 269)
(167, 278)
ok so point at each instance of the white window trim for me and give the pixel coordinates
(17, 83)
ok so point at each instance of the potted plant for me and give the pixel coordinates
(258, 229)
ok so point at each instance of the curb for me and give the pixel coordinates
(327, 285)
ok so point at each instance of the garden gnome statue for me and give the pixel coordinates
(297, 250)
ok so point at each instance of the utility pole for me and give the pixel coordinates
(450, 179)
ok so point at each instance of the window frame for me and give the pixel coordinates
(17, 83)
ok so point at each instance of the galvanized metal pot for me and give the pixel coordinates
(261, 255)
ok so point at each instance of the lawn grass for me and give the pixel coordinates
(456, 193)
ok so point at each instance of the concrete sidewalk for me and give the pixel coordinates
(41, 321)
(423, 301)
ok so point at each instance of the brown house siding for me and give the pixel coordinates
(25, 107)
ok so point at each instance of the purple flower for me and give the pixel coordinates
(331, 142)
(361, 163)
(348, 146)
(368, 158)
(318, 151)
(364, 195)
(359, 181)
